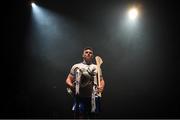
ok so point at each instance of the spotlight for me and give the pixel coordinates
(33, 4)
(133, 13)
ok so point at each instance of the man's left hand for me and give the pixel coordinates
(100, 89)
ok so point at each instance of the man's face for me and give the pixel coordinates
(88, 55)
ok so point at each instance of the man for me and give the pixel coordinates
(82, 80)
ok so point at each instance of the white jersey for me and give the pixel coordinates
(87, 78)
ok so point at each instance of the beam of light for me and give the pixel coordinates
(133, 13)
(50, 35)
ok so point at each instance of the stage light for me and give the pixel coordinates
(133, 13)
(33, 4)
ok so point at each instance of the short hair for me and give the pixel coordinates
(88, 48)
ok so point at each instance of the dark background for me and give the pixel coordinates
(142, 78)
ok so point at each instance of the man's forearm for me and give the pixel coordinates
(69, 83)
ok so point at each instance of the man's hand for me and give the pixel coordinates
(100, 89)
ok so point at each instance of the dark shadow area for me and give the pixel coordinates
(142, 78)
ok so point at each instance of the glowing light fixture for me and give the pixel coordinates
(33, 4)
(133, 13)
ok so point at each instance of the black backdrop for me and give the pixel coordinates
(138, 84)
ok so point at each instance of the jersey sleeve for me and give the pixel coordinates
(72, 71)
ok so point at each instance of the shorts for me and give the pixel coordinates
(83, 104)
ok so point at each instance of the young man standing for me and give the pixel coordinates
(82, 80)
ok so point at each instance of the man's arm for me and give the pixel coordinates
(69, 81)
(102, 85)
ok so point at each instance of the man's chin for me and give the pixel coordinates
(88, 59)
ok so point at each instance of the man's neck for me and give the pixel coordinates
(87, 62)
